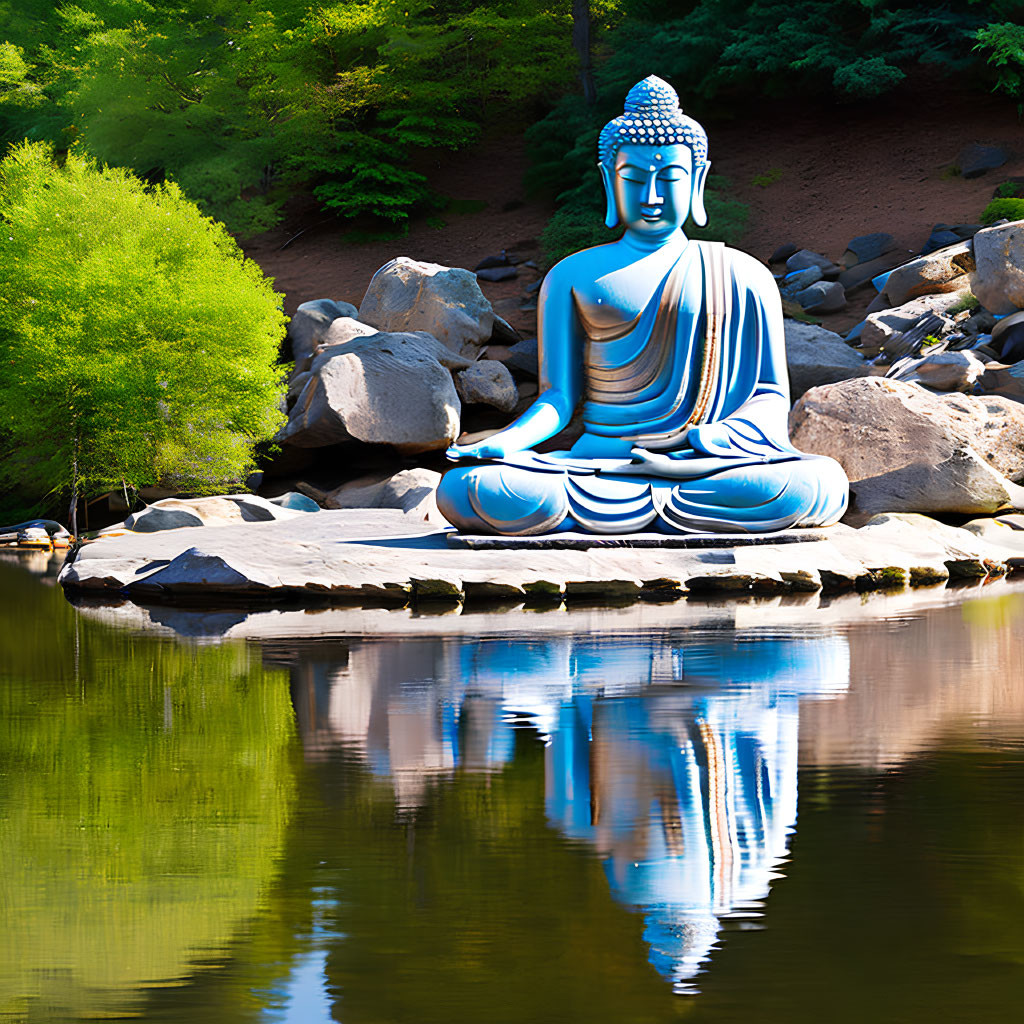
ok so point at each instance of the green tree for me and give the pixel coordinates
(136, 342)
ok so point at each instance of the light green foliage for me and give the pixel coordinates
(1011, 209)
(1003, 45)
(135, 340)
(146, 795)
(241, 103)
(967, 302)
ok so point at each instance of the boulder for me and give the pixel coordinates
(497, 273)
(222, 510)
(411, 490)
(783, 252)
(344, 329)
(941, 271)
(797, 280)
(816, 356)
(880, 326)
(406, 295)
(862, 274)
(310, 323)
(940, 238)
(805, 258)
(976, 159)
(387, 388)
(822, 297)
(1000, 379)
(522, 358)
(908, 450)
(866, 248)
(943, 371)
(998, 279)
(487, 382)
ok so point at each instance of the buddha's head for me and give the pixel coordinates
(654, 162)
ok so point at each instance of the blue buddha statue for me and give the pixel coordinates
(676, 349)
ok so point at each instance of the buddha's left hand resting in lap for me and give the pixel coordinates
(677, 350)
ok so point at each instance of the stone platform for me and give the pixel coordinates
(375, 556)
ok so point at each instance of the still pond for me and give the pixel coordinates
(727, 818)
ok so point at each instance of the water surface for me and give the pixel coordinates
(734, 818)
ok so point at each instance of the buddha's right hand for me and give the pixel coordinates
(486, 449)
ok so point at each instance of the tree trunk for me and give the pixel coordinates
(73, 510)
(581, 42)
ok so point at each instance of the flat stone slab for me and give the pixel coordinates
(385, 556)
(571, 541)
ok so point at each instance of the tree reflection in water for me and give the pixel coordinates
(674, 759)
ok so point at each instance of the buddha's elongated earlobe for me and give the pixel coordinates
(611, 216)
(697, 209)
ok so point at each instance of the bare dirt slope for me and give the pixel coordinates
(839, 171)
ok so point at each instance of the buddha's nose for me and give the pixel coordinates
(653, 199)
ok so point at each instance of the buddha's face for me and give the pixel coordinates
(653, 187)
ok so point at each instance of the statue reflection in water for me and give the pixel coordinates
(674, 759)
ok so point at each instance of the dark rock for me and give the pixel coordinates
(878, 303)
(493, 261)
(796, 281)
(1011, 344)
(805, 258)
(533, 286)
(861, 274)
(823, 297)
(975, 159)
(980, 322)
(532, 264)
(865, 248)
(965, 231)
(939, 239)
(522, 358)
(783, 253)
(153, 520)
(504, 333)
(497, 273)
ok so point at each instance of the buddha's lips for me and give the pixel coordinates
(651, 212)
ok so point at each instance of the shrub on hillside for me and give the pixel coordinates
(998, 209)
(136, 342)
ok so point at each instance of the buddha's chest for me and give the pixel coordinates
(616, 298)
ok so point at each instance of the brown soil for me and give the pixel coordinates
(841, 172)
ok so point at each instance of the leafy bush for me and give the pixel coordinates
(1011, 209)
(1004, 45)
(136, 343)
(241, 103)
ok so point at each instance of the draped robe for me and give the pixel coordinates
(698, 378)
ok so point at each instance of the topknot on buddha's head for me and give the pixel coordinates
(652, 116)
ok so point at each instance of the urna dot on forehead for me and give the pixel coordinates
(652, 116)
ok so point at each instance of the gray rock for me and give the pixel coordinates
(865, 248)
(310, 324)
(879, 327)
(906, 449)
(943, 371)
(862, 274)
(522, 358)
(497, 273)
(975, 159)
(387, 388)
(406, 295)
(490, 262)
(411, 490)
(998, 279)
(822, 297)
(816, 356)
(942, 271)
(175, 513)
(487, 382)
(805, 258)
(797, 280)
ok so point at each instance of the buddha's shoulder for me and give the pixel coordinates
(748, 270)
